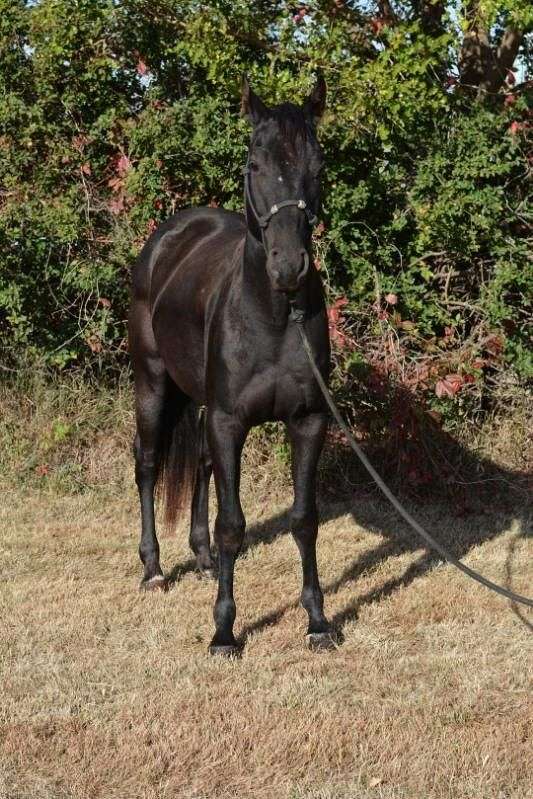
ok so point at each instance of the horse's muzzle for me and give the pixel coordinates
(287, 274)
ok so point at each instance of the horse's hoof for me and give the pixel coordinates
(207, 574)
(225, 650)
(322, 642)
(156, 583)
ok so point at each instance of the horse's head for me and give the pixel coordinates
(283, 182)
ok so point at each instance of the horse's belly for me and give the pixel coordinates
(182, 354)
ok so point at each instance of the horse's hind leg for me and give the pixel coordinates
(150, 392)
(199, 534)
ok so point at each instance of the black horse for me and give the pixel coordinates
(210, 327)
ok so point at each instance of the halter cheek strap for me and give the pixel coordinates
(264, 219)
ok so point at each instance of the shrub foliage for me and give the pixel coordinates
(116, 113)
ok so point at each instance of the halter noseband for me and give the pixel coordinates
(264, 219)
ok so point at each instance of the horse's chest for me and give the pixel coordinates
(275, 392)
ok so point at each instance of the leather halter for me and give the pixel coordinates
(263, 220)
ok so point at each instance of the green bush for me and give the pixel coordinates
(113, 115)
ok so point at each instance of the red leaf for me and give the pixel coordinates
(116, 206)
(441, 390)
(391, 299)
(377, 24)
(449, 386)
(115, 183)
(456, 381)
(142, 69)
(335, 321)
(123, 165)
(494, 345)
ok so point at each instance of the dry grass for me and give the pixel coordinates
(108, 694)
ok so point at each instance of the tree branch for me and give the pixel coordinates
(484, 67)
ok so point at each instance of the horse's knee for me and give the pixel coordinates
(229, 530)
(145, 464)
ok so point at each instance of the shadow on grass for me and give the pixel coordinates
(490, 496)
(509, 569)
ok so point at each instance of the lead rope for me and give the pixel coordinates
(297, 316)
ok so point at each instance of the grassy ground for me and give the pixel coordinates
(107, 693)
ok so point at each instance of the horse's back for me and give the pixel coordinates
(180, 271)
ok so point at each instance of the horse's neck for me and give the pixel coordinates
(258, 297)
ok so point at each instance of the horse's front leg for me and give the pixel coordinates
(307, 437)
(226, 437)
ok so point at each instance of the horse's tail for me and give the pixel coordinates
(178, 454)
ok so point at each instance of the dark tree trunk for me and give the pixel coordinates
(484, 65)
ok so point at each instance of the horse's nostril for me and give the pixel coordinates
(274, 253)
(305, 263)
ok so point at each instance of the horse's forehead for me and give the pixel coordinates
(286, 143)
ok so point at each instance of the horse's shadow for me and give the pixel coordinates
(490, 496)
(399, 539)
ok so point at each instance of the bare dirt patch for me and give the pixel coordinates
(109, 693)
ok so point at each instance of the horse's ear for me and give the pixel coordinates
(252, 107)
(315, 104)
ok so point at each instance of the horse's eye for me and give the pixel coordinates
(253, 165)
